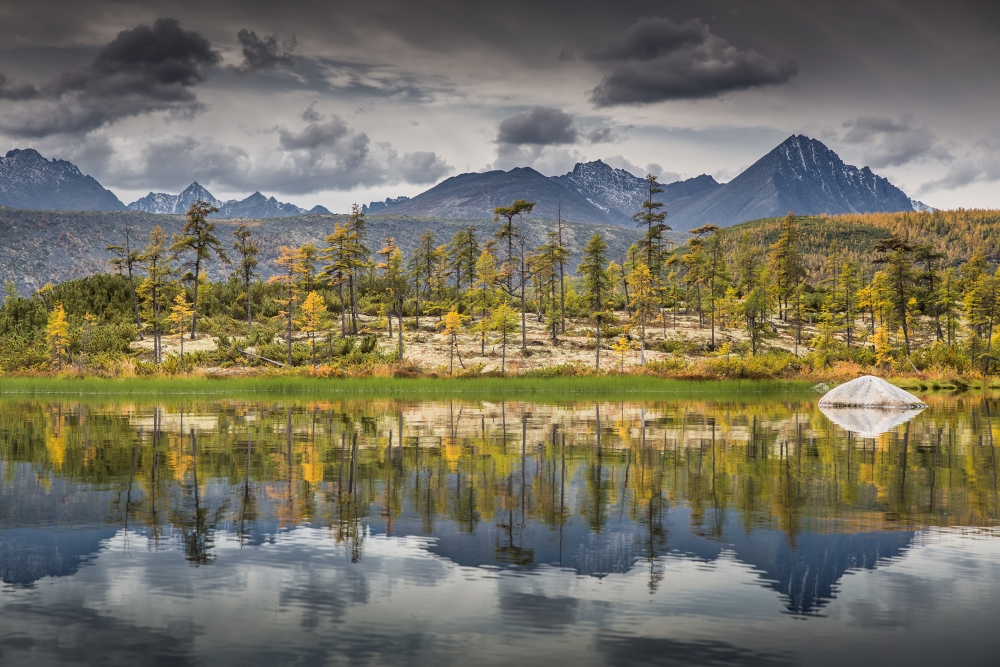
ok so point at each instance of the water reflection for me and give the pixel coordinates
(869, 422)
(769, 492)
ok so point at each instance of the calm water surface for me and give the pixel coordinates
(379, 532)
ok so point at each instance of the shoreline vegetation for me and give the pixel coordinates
(759, 302)
(510, 387)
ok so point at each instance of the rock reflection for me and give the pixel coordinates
(869, 422)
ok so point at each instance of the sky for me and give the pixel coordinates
(331, 103)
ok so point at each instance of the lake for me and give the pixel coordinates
(750, 531)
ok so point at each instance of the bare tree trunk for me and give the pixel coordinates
(642, 342)
(401, 342)
(249, 314)
(598, 366)
(354, 312)
(194, 304)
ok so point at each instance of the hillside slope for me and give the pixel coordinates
(953, 234)
(44, 246)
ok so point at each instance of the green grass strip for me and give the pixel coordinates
(555, 388)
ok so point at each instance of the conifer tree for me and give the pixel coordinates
(290, 261)
(643, 302)
(57, 334)
(153, 289)
(247, 252)
(755, 303)
(452, 326)
(313, 315)
(896, 256)
(786, 263)
(198, 238)
(180, 314)
(483, 292)
(504, 323)
(125, 261)
(652, 218)
(595, 281)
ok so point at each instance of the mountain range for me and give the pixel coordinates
(801, 175)
(254, 206)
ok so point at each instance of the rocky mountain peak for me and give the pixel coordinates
(30, 181)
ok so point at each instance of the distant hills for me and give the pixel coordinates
(592, 192)
(255, 206)
(29, 181)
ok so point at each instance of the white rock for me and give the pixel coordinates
(869, 391)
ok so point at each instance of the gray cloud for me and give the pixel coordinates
(311, 115)
(980, 165)
(659, 59)
(544, 126)
(536, 138)
(540, 126)
(601, 135)
(266, 53)
(866, 128)
(321, 156)
(619, 162)
(20, 91)
(142, 70)
(894, 142)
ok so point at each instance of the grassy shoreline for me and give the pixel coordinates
(570, 388)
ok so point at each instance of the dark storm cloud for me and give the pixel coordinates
(540, 126)
(544, 126)
(266, 53)
(142, 70)
(894, 143)
(16, 91)
(662, 60)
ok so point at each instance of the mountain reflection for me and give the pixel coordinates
(596, 489)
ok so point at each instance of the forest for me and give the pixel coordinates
(893, 294)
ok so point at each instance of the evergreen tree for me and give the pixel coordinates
(504, 323)
(198, 238)
(463, 252)
(643, 302)
(57, 334)
(180, 313)
(126, 259)
(786, 263)
(247, 252)
(895, 255)
(313, 315)
(755, 303)
(154, 288)
(652, 218)
(595, 281)
(483, 293)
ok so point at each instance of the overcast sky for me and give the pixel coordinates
(322, 102)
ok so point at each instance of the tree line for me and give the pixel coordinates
(906, 306)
